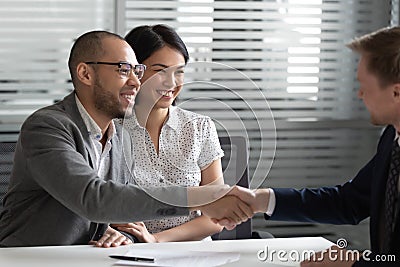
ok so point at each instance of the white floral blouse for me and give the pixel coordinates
(187, 144)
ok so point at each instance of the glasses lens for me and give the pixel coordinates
(139, 70)
(125, 69)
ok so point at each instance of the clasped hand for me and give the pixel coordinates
(231, 206)
(236, 206)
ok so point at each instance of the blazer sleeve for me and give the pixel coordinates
(342, 204)
(55, 157)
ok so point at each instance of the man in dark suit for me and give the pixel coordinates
(73, 167)
(368, 194)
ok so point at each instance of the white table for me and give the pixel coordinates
(88, 256)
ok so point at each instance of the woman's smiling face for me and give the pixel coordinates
(163, 78)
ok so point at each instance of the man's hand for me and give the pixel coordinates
(231, 208)
(139, 230)
(111, 238)
(256, 199)
(332, 257)
(205, 194)
(217, 203)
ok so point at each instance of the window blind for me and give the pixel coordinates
(284, 60)
(280, 59)
(35, 40)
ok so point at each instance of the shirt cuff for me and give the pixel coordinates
(271, 202)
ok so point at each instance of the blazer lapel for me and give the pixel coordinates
(72, 109)
(115, 157)
(380, 175)
(395, 248)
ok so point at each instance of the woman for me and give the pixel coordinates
(172, 145)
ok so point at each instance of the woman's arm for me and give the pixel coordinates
(196, 229)
(200, 227)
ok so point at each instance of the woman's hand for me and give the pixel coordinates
(111, 238)
(137, 229)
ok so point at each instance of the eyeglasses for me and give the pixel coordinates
(124, 68)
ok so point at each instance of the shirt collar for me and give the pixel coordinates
(93, 129)
(172, 120)
(133, 119)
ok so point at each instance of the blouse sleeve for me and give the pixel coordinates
(210, 147)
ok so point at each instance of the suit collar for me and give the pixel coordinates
(92, 128)
(380, 175)
(71, 109)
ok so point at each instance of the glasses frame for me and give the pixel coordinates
(140, 67)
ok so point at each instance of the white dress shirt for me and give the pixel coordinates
(102, 160)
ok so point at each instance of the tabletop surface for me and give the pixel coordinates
(252, 252)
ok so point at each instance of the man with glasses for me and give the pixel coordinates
(73, 166)
(124, 68)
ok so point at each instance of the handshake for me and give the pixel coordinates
(228, 206)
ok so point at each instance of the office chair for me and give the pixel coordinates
(7, 149)
(235, 166)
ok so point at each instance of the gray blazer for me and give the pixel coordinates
(55, 194)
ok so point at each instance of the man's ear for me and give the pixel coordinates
(84, 73)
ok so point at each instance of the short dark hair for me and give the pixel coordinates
(382, 50)
(147, 39)
(88, 47)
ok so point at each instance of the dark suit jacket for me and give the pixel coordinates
(55, 194)
(349, 203)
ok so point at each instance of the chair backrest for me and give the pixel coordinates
(236, 171)
(7, 149)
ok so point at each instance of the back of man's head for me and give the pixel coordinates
(382, 49)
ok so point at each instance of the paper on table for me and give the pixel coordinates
(180, 258)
